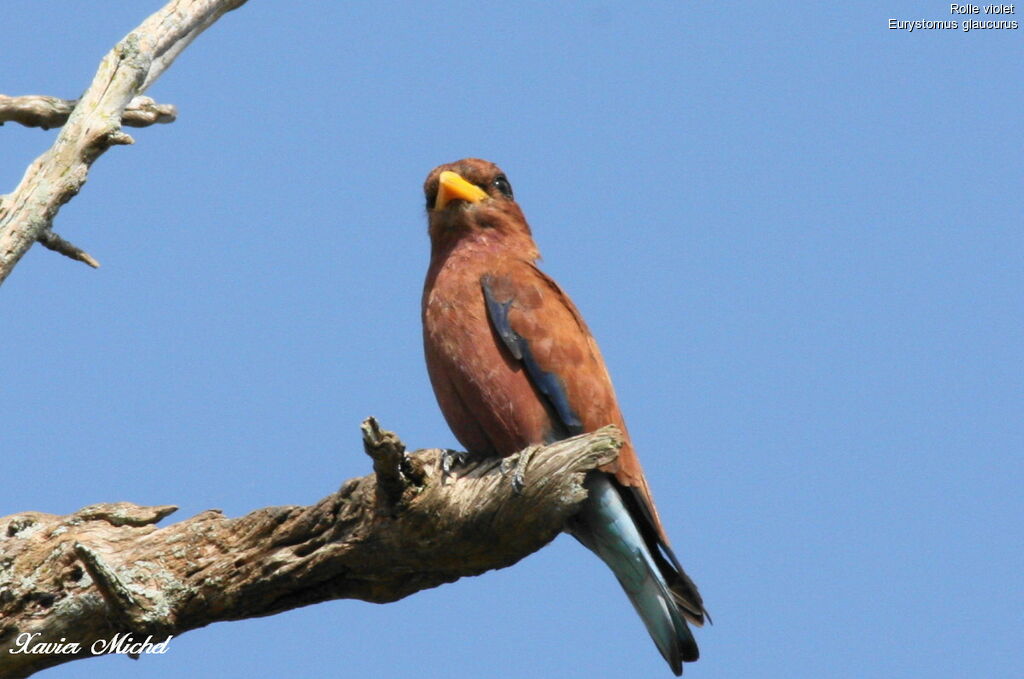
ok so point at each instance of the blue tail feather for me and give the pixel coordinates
(605, 526)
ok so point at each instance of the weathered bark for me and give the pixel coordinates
(46, 112)
(27, 214)
(107, 569)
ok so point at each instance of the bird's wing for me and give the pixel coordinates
(500, 296)
(541, 328)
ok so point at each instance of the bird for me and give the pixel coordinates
(513, 364)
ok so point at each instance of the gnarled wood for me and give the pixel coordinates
(55, 177)
(35, 110)
(108, 569)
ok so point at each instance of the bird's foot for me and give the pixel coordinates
(517, 465)
(451, 459)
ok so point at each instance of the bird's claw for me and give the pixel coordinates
(518, 482)
(517, 465)
(451, 459)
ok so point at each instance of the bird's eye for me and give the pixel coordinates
(501, 183)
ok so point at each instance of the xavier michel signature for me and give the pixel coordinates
(120, 643)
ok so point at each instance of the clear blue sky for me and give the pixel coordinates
(796, 234)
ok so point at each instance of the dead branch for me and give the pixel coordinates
(107, 569)
(52, 241)
(48, 112)
(95, 123)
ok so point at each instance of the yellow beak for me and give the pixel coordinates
(451, 186)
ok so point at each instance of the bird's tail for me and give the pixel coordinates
(606, 527)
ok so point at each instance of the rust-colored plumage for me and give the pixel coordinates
(513, 364)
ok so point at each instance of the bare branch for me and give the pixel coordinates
(95, 124)
(107, 569)
(54, 242)
(390, 464)
(47, 112)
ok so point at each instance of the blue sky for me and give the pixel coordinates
(795, 233)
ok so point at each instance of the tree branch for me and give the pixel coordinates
(95, 123)
(52, 241)
(47, 112)
(107, 569)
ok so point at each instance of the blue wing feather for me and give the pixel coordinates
(549, 384)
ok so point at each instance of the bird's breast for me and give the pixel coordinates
(484, 394)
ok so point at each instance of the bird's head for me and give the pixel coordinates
(472, 197)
